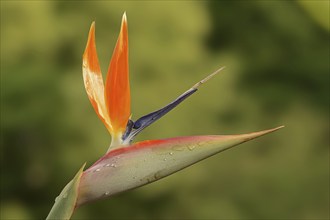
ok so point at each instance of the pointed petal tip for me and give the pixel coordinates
(124, 21)
(253, 135)
(279, 127)
(92, 28)
(90, 59)
(274, 129)
(91, 34)
(208, 77)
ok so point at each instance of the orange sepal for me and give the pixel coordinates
(93, 79)
(117, 90)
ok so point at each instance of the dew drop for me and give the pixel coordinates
(178, 148)
(165, 159)
(200, 144)
(107, 165)
(97, 170)
(171, 153)
(113, 165)
(191, 147)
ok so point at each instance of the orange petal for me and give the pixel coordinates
(117, 93)
(93, 79)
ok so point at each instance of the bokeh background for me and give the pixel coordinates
(277, 59)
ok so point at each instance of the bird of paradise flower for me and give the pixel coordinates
(128, 165)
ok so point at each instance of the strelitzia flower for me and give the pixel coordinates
(128, 165)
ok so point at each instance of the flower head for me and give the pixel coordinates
(132, 165)
(112, 102)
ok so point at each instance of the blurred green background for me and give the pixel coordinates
(277, 59)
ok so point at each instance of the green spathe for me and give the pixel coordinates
(142, 163)
(65, 203)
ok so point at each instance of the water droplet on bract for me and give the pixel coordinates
(107, 165)
(171, 153)
(113, 165)
(191, 147)
(178, 148)
(97, 170)
(106, 193)
(165, 159)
